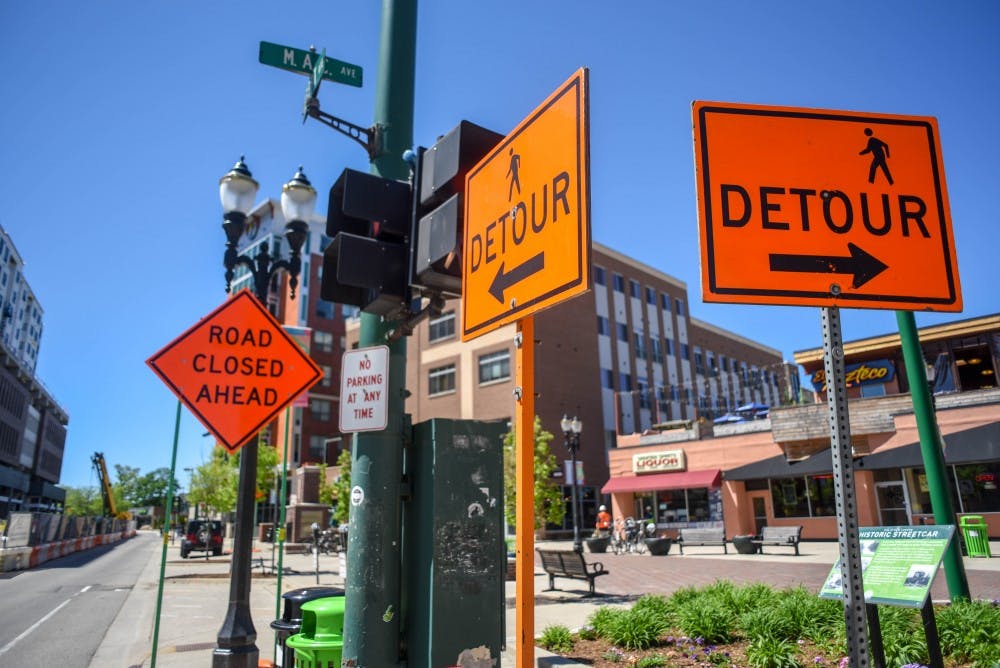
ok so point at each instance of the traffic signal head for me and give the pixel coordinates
(437, 250)
(365, 265)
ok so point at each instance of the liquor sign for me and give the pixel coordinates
(235, 370)
(668, 460)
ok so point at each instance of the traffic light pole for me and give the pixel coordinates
(372, 584)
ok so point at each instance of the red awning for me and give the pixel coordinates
(654, 481)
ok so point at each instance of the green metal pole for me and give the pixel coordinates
(166, 536)
(930, 449)
(279, 531)
(372, 586)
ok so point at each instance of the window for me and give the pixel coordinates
(977, 487)
(809, 496)
(634, 289)
(670, 346)
(873, 390)
(642, 389)
(640, 346)
(322, 341)
(599, 277)
(699, 363)
(327, 380)
(349, 311)
(656, 350)
(625, 382)
(441, 380)
(603, 326)
(685, 352)
(679, 303)
(724, 363)
(325, 309)
(622, 332)
(494, 366)
(317, 448)
(650, 296)
(607, 379)
(619, 282)
(319, 409)
(665, 302)
(442, 327)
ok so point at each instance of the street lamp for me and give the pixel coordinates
(571, 432)
(237, 190)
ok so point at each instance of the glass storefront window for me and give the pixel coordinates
(822, 497)
(671, 506)
(789, 497)
(977, 487)
(698, 510)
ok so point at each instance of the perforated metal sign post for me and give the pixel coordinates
(235, 369)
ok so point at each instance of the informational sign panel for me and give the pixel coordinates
(235, 369)
(301, 61)
(809, 207)
(898, 564)
(527, 215)
(364, 389)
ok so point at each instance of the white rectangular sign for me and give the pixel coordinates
(364, 386)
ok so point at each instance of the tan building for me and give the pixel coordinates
(778, 471)
(621, 358)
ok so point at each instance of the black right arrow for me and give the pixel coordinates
(502, 280)
(865, 267)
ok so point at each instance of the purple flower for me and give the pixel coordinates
(818, 660)
(699, 640)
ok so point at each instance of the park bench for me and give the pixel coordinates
(691, 537)
(779, 536)
(565, 564)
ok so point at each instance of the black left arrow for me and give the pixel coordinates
(502, 280)
(864, 266)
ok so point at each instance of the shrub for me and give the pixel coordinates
(652, 661)
(970, 631)
(657, 605)
(587, 633)
(767, 622)
(683, 596)
(902, 636)
(771, 652)
(556, 638)
(603, 619)
(707, 618)
(637, 629)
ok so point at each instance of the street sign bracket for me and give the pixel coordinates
(369, 138)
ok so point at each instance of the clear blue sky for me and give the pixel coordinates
(118, 118)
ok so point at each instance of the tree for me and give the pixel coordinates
(151, 488)
(549, 505)
(83, 502)
(214, 483)
(340, 490)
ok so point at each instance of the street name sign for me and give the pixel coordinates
(235, 369)
(364, 389)
(527, 215)
(809, 207)
(301, 61)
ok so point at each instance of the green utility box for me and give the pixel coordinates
(454, 552)
(975, 534)
(321, 642)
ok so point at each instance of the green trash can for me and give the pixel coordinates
(321, 641)
(975, 533)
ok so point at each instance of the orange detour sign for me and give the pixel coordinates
(808, 207)
(527, 215)
(236, 369)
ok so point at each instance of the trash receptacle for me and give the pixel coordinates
(975, 533)
(291, 618)
(320, 643)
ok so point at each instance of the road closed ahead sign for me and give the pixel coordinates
(809, 207)
(527, 216)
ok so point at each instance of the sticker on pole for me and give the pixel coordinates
(364, 388)
(235, 370)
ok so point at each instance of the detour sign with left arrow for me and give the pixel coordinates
(808, 207)
(527, 215)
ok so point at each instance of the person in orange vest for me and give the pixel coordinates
(603, 521)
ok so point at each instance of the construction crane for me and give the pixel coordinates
(110, 509)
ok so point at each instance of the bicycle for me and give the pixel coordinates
(328, 542)
(627, 537)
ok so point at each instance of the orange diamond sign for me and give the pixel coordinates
(235, 369)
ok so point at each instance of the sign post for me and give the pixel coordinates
(526, 248)
(807, 207)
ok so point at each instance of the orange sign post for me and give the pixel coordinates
(808, 207)
(235, 369)
(527, 215)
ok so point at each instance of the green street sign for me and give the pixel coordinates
(302, 62)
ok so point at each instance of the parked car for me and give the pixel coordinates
(202, 536)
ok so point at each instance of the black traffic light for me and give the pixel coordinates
(366, 264)
(441, 170)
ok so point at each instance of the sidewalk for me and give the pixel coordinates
(196, 594)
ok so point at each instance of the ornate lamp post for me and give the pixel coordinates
(237, 190)
(571, 432)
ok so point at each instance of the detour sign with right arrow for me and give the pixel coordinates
(808, 207)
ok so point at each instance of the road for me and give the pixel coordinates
(57, 614)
